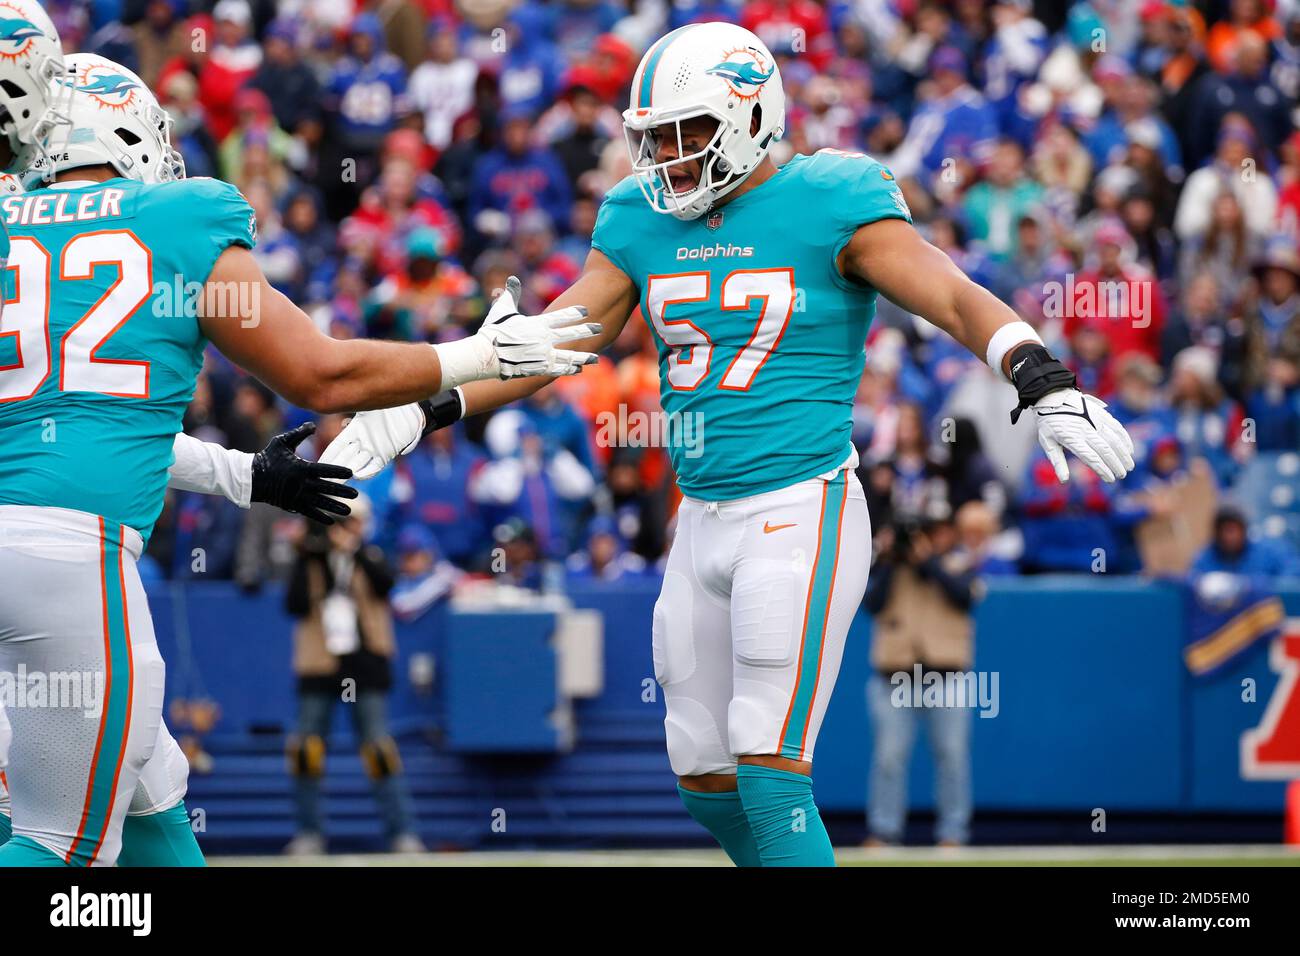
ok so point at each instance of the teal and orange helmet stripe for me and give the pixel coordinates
(643, 83)
(115, 713)
(821, 589)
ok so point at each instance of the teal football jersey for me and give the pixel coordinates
(761, 339)
(100, 343)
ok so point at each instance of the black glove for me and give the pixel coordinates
(296, 485)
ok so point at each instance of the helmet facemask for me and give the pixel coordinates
(717, 174)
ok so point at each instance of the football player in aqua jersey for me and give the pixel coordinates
(157, 830)
(760, 284)
(119, 274)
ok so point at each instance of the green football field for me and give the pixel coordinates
(1219, 856)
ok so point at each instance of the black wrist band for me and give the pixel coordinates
(1035, 373)
(445, 408)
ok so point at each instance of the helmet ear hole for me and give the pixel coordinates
(756, 119)
(126, 136)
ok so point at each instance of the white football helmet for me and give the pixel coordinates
(113, 118)
(703, 69)
(31, 62)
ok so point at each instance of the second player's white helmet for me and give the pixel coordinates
(31, 62)
(704, 69)
(113, 119)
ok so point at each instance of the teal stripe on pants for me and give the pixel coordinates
(819, 601)
(115, 707)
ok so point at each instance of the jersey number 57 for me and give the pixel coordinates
(692, 349)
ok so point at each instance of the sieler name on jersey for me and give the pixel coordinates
(52, 208)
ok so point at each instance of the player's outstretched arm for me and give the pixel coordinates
(275, 475)
(279, 344)
(374, 438)
(894, 258)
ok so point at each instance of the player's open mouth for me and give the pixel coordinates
(681, 182)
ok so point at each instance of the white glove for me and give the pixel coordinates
(510, 345)
(1067, 418)
(372, 439)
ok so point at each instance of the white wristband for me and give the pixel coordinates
(470, 359)
(1005, 339)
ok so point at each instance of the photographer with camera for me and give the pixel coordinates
(919, 594)
(343, 651)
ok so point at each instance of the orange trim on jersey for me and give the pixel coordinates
(121, 275)
(678, 349)
(757, 325)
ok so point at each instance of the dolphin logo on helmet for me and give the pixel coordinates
(744, 77)
(106, 84)
(17, 31)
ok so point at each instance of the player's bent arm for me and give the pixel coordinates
(892, 256)
(610, 298)
(372, 439)
(279, 344)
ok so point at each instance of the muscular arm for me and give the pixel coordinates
(282, 346)
(610, 297)
(894, 258)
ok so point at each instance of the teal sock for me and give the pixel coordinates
(723, 815)
(22, 851)
(6, 829)
(783, 817)
(160, 839)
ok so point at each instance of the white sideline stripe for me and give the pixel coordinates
(913, 855)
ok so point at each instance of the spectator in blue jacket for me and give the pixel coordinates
(365, 95)
(438, 475)
(1274, 407)
(606, 556)
(1232, 551)
(368, 86)
(424, 577)
(289, 83)
(1138, 404)
(957, 122)
(532, 67)
(577, 23)
(559, 426)
(517, 176)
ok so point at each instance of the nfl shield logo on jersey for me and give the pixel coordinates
(714, 221)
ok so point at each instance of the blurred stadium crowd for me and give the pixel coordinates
(1125, 174)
